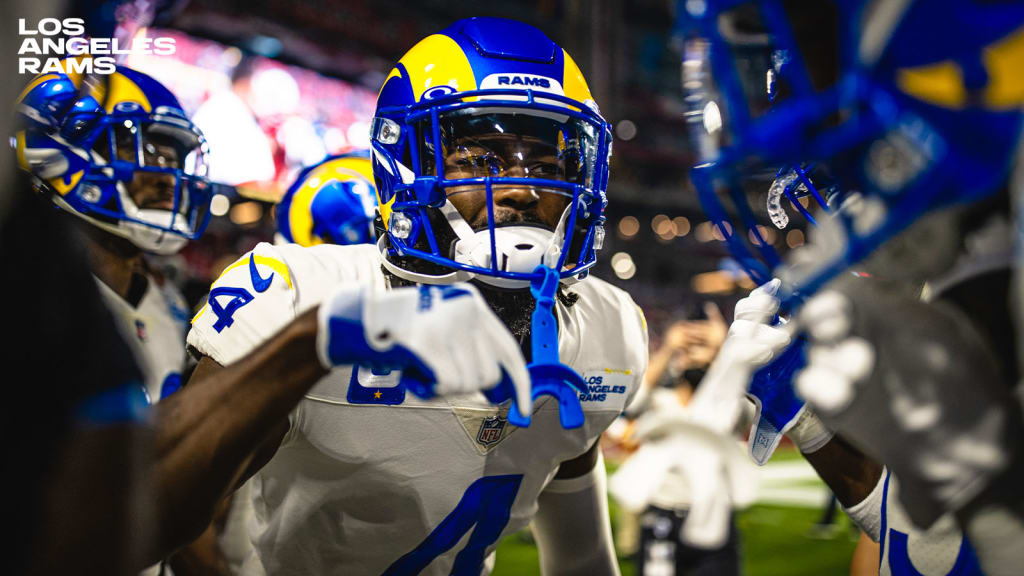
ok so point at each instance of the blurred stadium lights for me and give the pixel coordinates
(720, 282)
(246, 213)
(335, 140)
(219, 205)
(704, 232)
(625, 130)
(629, 226)
(231, 57)
(659, 222)
(707, 231)
(359, 134)
(682, 224)
(767, 233)
(264, 45)
(717, 232)
(795, 238)
(623, 265)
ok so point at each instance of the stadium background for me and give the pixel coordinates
(317, 66)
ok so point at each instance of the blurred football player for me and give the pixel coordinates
(685, 481)
(332, 202)
(122, 157)
(902, 125)
(125, 160)
(491, 163)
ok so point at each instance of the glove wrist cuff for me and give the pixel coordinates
(337, 317)
(809, 433)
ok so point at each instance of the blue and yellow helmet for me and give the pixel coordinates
(119, 152)
(487, 115)
(873, 112)
(333, 202)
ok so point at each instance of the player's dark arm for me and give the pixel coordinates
(572, 525)
(225, 424)
(203, 556)
(848, 472)
(857, 480)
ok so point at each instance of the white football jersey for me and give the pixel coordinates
(908, 551)
(371, 479)
(155, 330)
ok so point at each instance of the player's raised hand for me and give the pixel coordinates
(445, 339)
(751, 343)
(705, 336)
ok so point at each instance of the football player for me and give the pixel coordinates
(119, 153)
(123, 158)
(491, 164)
(331, 202)
(905, 126)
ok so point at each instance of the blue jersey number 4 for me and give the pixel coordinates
(485, 509)
(235, 299)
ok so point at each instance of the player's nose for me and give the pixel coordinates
(517, 196)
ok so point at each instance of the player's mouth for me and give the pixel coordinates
(504, 216)
(158, 201)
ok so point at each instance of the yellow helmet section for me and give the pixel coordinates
(942, 83)
(437, 60)
(1004, 62)
(573, 83)
(300, 215)
(120, 89)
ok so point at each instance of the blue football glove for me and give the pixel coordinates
(779, 410)
(444, 339)
(778, 407)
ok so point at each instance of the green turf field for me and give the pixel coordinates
(775, 541)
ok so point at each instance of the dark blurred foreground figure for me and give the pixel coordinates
(118, 153)
(79, 438)
(74, 416)
(894, 127)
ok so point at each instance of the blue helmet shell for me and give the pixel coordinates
(512, 67)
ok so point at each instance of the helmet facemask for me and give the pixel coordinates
(147, 181)
(533, 173)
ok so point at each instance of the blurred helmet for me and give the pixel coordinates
(490, 157)
(332, 202)
(876, 112)
(119, 153)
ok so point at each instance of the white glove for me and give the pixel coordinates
(445, 339)
(750, 344)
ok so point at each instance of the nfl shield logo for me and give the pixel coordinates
(490, 430)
